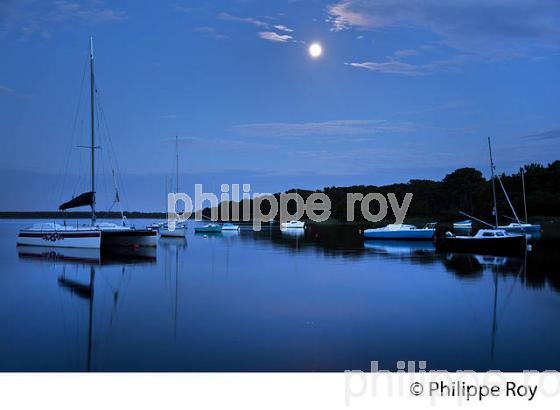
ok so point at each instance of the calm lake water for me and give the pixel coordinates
(275, 301)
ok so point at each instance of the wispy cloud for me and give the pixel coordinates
(265, 35)
(405, 53)
(223, 144)
(28, 19)
(10, 92)
(322, 129)
(248, 20)
(210, 32)
(272, 36)
(72, 11)
(282, 27)
(545, 135)
(392, 66)
(506, 28)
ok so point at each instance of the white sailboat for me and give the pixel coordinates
(96, 234)
(530, 230)
(179, 228)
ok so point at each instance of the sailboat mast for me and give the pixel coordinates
(176, 164)
(92, 109)
(524, 197)
(493, 182)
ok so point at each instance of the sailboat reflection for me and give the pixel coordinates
(293, 232)
(400, 248)
(75, 260)
(171, 246)
(500, 267)
(118, 255)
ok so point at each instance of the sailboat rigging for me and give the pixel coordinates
(96, 234)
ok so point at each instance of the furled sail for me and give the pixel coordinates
(81, 200)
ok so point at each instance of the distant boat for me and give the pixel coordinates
(179, 232)
(292, 224)
(486, 241)
(96, 235)
(401, 231)
(208, 228)
(180, 228)
(466, 224)
(531, 230)
(230, 227)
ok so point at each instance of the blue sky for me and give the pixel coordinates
(404, 89)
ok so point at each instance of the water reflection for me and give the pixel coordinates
(321, 299)
(76, 271)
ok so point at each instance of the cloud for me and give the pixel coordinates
(323, 129)
(393, 66)
(28, 18)
(248, 20)
(281, 27)
(71, 11)
(210, 32)
(224, 144)
(545, 135)
(272, 36)
(7, 91)
(405, 53)
(509, 28)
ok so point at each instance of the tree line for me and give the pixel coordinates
(464, 189)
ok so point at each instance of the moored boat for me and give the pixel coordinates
(485, 242)
(401, 231)
(531, 230)
(54, 235)
(230, 227)
(293, 224)
(179, 231)
(175, 228)
(95, 235)
(466, 224)
(208, 228)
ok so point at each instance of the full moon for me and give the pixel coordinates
(315, 50)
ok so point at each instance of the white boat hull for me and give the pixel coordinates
(90, 239)
(424, 234)
(531, 231)
(293, 224)
(176, 233)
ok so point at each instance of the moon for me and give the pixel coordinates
(315, 50)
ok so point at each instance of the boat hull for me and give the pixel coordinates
(129, 237)
(511, 245)
(414, 234)
(87, 239)
(292, 225)
(176, 233)
(531, 231)
(210, 229)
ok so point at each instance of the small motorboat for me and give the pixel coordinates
(293, 224)
(179, 231)
(401, 231)
(485, 242)
(208, 228)
(230, 227)
(465, 225)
